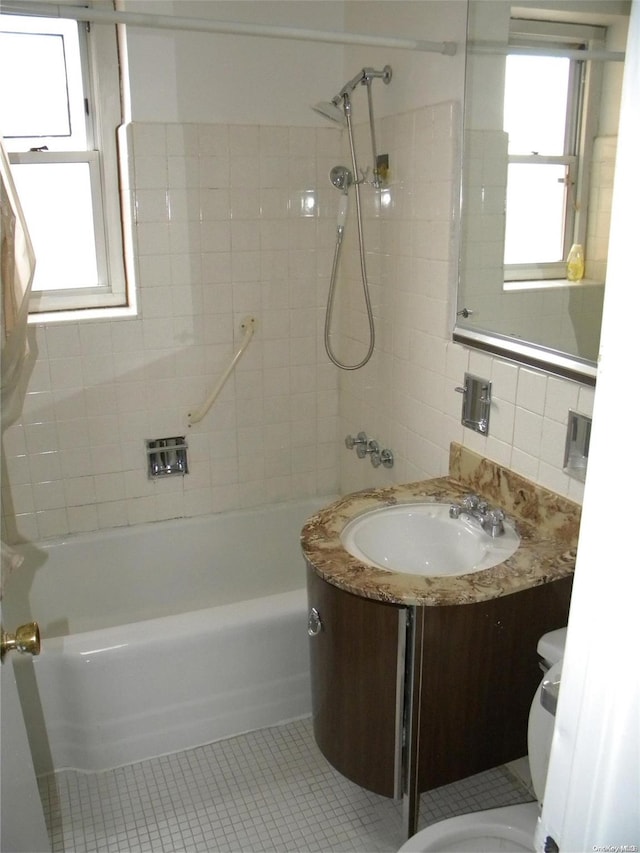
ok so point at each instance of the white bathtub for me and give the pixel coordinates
(165, 636)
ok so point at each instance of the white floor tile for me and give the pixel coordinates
(270, 790)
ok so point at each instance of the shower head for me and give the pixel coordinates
(341, 178)
(330, 110)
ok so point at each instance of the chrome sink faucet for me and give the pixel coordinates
(491, 519)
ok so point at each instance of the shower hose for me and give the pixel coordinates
(342, 215)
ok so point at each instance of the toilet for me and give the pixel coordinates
(510, 828)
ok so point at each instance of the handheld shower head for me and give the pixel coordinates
(341, 178)
(330, 110)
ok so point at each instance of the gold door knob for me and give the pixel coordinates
(26, 639)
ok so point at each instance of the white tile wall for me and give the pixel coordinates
(237, 220)
(405, 398)
(601, 194)
(220, 233)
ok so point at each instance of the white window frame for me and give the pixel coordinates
(115, 294)
(584, 97)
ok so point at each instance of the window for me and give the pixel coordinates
(548, 114)
(59, 118)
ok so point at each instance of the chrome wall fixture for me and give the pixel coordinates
(369, 447)
(342, 178)
(476, 403)
(166, 456)
(576, 452)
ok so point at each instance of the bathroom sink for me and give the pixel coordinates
(421, 539)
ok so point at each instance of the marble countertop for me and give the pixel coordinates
(547, 524)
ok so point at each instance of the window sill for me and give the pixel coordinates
(549, 284)
(122, 312)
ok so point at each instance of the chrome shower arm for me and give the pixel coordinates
(371, 74)
(348, 88)
(364, 76)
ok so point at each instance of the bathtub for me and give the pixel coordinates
(165, 636)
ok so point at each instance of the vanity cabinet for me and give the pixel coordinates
(478, 675)
(354, 663)
(454, 684)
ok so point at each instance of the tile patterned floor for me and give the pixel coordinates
(269, 790)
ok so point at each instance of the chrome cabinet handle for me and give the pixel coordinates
(314, 624)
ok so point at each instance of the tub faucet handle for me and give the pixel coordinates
(360, 439)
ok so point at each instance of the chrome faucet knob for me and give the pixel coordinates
(372, 447)
(352, 442)
(493, 522)
(386, 457)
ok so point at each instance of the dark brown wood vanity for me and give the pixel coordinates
(418, 682)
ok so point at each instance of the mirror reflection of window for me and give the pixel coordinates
(546, 109)
(530, 311)
(537, 110)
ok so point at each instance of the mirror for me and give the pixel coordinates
(547, 322)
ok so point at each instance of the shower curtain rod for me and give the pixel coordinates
(170, 22)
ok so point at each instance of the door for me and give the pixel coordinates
(356, 697)
(22, 826)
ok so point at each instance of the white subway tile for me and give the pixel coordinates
(52, 522)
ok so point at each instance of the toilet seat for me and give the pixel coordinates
(510, 828)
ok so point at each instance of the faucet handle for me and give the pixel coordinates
(471, 501)
(493, 522)
(352, 442)
(372, 447)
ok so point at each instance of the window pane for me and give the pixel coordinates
(534, 232)
(56, 198)
(535, 104)
(45, 101)
(38, 105)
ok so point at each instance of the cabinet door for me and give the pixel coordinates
(479, 675)
(354, 664)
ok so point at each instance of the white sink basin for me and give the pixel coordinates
(421, 539)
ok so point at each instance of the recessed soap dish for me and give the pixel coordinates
(476, 403)
(576, 450)
(166, 456)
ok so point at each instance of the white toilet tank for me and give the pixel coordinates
(551, 646)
